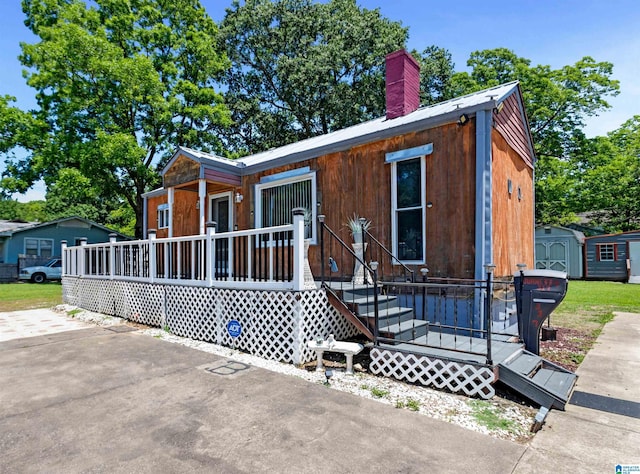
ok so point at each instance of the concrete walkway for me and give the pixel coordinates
(102, 400)
(605, 431)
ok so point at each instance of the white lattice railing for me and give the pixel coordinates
(267, 258)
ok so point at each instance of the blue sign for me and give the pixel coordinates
(234, 328)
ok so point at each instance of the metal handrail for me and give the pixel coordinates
(367, 268)
(388, 252)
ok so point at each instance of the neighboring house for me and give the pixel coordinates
(613, 257)
(40, 241)
(448, 186)
(560, 248)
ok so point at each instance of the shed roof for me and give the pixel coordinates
(579, 236)
(376, 129)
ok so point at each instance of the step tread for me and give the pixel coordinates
(386, 313)
(557, 382)
(525, 363)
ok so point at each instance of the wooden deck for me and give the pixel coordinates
(460, 348)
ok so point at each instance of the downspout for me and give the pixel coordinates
(484, 206)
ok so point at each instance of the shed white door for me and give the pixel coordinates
(634, 262)
(552, 256)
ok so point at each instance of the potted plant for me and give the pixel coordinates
(356, 225)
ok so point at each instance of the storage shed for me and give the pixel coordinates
(613, 257)
(560, 248)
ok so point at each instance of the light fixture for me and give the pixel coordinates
(328, 373)
(239, 198)
(463, 119)
(198, 204)
(490, 267)
(499, 107)
(429, 205)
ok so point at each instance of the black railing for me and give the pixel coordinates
(395, 270)
(347, 276)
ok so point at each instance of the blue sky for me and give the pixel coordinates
(553, 32)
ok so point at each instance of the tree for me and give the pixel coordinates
(610, 178)
(302, 68)
(557, 102)
(436, 73)
(119, 85)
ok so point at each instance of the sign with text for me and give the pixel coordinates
(234, 328)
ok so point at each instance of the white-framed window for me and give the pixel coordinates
(606, 252)
(408, 199)
(163, 216)
(38, 247)
(276, 199)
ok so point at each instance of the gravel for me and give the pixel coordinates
(499, 417)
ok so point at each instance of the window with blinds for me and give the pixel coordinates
(276, 200)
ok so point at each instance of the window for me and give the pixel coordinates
(408, 196)
(38, 247)
(606, 252)
(276, 199)
(163, 216)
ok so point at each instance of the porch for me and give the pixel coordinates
(444, 333)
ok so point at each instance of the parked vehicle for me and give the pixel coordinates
(52, 270)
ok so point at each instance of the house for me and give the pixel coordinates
(448, 186)
(560, 248)
(36, 242)
(254, 253)
(613, 257)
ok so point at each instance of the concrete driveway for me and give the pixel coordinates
(96, 400)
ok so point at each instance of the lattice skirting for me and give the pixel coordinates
(275, 324)
(472, 380)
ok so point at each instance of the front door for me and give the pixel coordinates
(634, 262)
(221, 212)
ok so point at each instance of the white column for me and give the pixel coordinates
(298, 249)
(81, 257)
(63, 257)
(112, 255)
(170, 202)
(152, 255)
(210, 253)
(202, 196)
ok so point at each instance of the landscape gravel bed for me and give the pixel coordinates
(499, 417)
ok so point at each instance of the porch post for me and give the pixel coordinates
(202, 195)
(112, 255)
(210, 253)
(63, 257)
(298, 248)
(81, 257)
(152, 255)
(170, 194)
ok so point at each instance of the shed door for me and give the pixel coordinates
(634, 262)
(552, 256)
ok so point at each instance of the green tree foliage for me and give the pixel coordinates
(436, 73)
(557, 102)
(302, 68)
(33, 211)
(610, 178)
(119, 84)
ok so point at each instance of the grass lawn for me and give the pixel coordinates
(19, 296)
(588, 306)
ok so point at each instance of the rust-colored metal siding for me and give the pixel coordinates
(509, 122)
(152, 214)
(359, 181)
(513, 212)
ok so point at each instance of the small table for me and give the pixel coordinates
(346, 348)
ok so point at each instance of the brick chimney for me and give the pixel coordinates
(403, 84)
